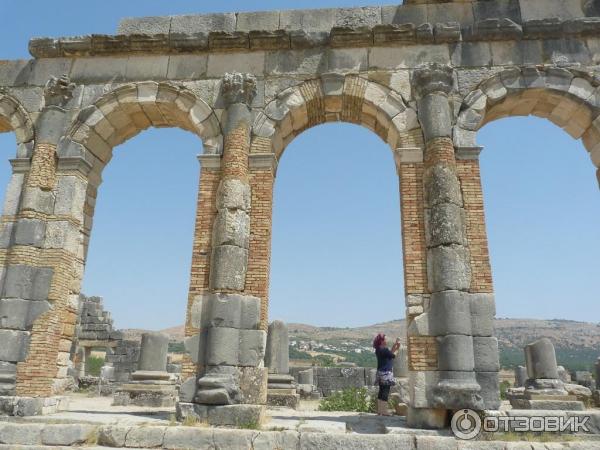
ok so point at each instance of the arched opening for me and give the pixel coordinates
(139, 253)
(157, 242)
(337, 252)
(542, 213)
(140, 249)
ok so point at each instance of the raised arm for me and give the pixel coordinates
(396, 346)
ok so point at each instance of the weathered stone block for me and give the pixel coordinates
(203, 23)
(66, 434)
(486, 354)
(15, 345)
(233, 194)
(490, 389)
(442, 186)
(228, 267)
(236, 415)
(252, 347)
(483, 312)
(253, 385)
(223, 346)
(450, 313)
(17, 314)
(145, 25)
(26, 282)
(30, 232)
(222, 310)
(50, 126)
(445, 225)
(63, 235)
(35, 199)
(196, 346)
(145, 437)
(448, 268)
(232, 227)
(250, 312)
(455, 353)
(13, 194)
(70, 197)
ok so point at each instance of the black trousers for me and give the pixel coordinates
(384, 392)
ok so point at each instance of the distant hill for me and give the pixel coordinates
(510, 332)
(577, 343)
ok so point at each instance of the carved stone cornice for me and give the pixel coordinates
(433, 78)
(238, 88)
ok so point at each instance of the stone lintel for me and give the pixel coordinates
(210, 162)
(20, 165)
(468, 153)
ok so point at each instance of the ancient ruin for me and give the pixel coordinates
(424, 76)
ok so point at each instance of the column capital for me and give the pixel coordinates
(433, 78)
(238, 88)
(58, 91)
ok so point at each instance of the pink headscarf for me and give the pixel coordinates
(378, 341)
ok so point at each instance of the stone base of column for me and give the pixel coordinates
(457, 394)
(281, 391)
(428, 419)
(149, 388)
(244, 416)
(552, 403)
(32, 406)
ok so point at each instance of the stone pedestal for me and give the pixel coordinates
(151, 384)
(543, 389)
(281, 391)
(306, 385)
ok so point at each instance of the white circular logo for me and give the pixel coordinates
(466, 424)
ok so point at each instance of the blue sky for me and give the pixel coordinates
(336, 233)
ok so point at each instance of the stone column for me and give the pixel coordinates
(42, 257)
(230, 344)
(281, 387)
(520, 376)
(151, 384)
(448, 258)
(543, 388)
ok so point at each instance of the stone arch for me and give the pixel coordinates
(126, 111)
(569, 98)
(13, 117)
(336, 98)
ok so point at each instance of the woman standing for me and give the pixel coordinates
(385, 373)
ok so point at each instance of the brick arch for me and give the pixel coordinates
(336, 98)
(568, 98)
(123, 113)
(13, 117)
